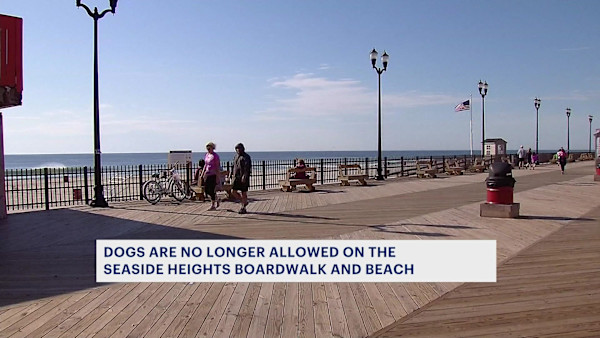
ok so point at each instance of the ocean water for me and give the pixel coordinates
(121, 159)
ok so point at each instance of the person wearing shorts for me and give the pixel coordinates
(242, 168)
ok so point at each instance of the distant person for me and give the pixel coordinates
(197, 179)
(242, 168)
(528, 157)
(210, 174)
(521, 155)
(534, 160)
(300, 174)
(561, 155)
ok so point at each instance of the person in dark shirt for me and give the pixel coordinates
(242, 168)
(300, 174)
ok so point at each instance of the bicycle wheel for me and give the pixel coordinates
(178, 190)
(152, 192)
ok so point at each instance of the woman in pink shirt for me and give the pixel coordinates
(210, 174)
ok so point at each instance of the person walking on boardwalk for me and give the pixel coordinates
(562, 159)
(210, 174)
(528, 158)
(521, 154)
(534, 160)
(242, 168)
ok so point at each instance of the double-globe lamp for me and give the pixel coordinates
(384, 59)
(483, 88)
(537, 102)
(99, 200)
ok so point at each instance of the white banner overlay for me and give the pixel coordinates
(295, 261)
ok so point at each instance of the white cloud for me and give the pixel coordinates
(575, 96)
(574, 49)
(320, 96)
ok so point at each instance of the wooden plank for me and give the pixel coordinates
(393, 303)
(22, 313)
(356, 326)
(233, 307)
(200, 314)
(275, 316)
(217, 311)
(339, 325)
(39, 326)
(321, 311)
(290, 312)
(103, 315)
(183, 317)
(128, 319)
(175, 309)
(9, 312)
(367, 311)
(156, 312)
(306, 320)
(242, 323)
(72, 323)
(261, 311)
(408, 303)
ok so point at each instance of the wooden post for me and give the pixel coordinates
(385, 167)
(401, 166)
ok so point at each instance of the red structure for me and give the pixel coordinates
(11, 61)
(11, 81)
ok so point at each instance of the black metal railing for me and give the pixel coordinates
(46, 188)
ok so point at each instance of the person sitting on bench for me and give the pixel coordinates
(300, 174)
(197, 180)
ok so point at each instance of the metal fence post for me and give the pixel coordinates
(46, 190)
(141, 181)
(322, 173)
(264, 176)
(367, 165)
(85, 185)
(401, 166)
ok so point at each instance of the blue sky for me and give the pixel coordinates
(295, 75)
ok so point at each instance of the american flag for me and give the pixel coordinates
(463, 106)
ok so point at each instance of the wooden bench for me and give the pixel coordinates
(427, 171)
(477, 166)
(199, 191)
(291, 182)
(351, 172)
(452, 168)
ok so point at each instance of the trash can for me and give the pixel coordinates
(500, 184)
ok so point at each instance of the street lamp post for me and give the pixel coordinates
(98, 200)
(590, 117)
(568, 131)
(483, 88)
(537, 103)
(384, 59)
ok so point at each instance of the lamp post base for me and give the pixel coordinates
(99, 201)
(380, 178)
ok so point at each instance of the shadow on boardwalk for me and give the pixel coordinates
(50, 253)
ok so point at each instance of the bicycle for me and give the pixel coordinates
(167, 183)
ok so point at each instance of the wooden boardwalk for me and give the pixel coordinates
(47, 277)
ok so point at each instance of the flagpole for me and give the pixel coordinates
(471, 121)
